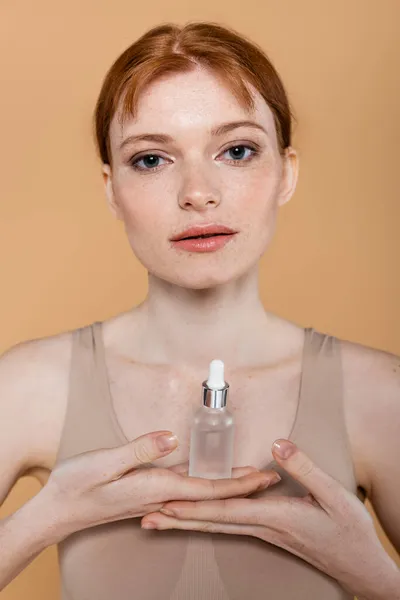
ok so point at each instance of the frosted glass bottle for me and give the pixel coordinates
(213, 430)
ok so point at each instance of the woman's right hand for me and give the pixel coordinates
(107, 485)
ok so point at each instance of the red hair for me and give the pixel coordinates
(168, 49)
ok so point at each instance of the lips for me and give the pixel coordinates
(203, 231)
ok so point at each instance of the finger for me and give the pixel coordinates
(241, 471)
(322, 486)
(272, 477)
(162, 522)
(232, 510)
(236, 473)
(141, 451)
(196, 488)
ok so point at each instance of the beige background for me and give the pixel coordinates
(65, 262)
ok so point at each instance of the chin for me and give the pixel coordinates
(194, 279)
(204, 271)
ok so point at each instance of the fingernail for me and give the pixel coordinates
(275, 478)
(166, 442)
(149, 525)
(270, 481)
(283, 448)
(168, 512)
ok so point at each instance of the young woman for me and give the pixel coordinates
(193, 127)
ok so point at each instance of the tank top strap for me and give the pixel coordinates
(88, 422)
(320, 428)
(320, 381)
(103, 382)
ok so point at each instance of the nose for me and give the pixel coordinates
(198, 192)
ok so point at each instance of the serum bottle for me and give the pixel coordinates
(212, 433)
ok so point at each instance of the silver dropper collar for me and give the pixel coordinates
(215, 398)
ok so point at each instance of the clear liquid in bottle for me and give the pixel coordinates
(212, 433)
(211, 444)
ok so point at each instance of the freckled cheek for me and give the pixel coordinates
(257, 186)
(258, 203)
(140, 218)
(146, 234)
(141, 214)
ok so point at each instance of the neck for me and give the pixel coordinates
(192, 327)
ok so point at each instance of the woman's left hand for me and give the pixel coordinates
(329, 528)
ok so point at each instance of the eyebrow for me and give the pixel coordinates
(162, 138)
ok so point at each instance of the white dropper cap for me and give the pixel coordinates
(215, 379)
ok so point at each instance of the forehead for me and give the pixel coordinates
(184, 103)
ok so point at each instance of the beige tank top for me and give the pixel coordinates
(120, 561)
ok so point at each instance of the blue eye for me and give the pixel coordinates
(238, 155)
(150, 161)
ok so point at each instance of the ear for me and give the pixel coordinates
(290, 175)
(111, 201)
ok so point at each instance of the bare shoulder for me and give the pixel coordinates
(33, 397)
(371, 380)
